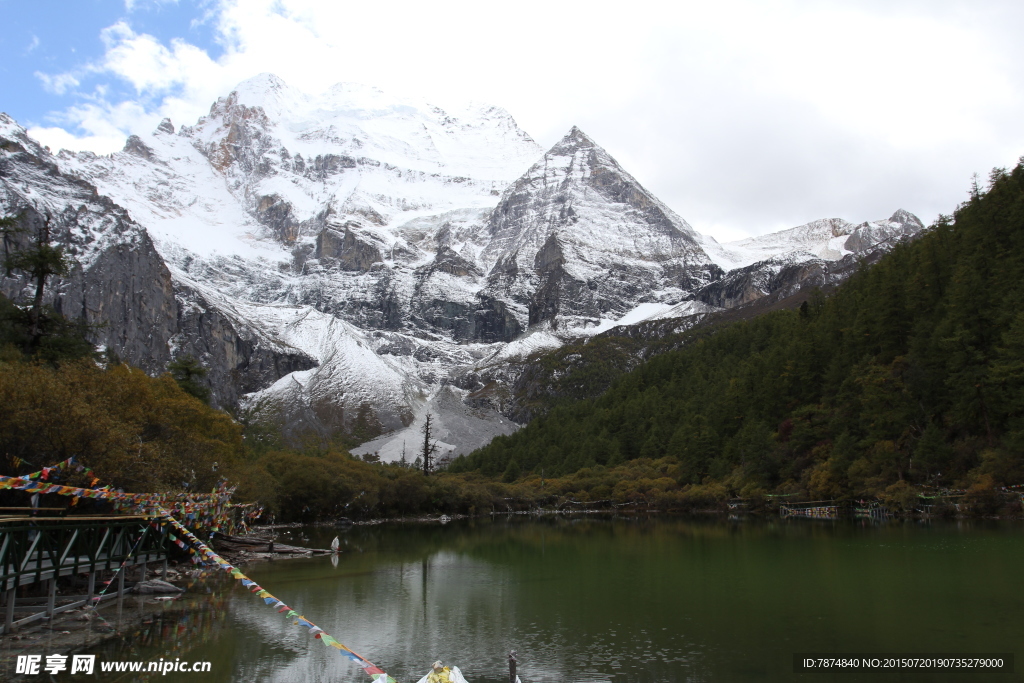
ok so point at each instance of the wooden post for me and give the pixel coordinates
(92, 587)
(52, 599)
(120, 582)
(12, 595)
(512, 667)
(163, 574)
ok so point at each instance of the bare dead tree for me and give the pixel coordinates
(428, 448)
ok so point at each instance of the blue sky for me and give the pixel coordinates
(744, 116)
(61, 36)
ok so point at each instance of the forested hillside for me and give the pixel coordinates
(910, 374)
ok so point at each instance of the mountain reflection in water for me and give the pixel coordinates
(601, 599)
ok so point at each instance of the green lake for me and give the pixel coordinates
(585, 598)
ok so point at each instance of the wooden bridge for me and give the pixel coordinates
(39, 550)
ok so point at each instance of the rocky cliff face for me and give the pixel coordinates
(357, 259)
(120, 284)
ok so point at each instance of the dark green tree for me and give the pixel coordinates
(38, 330)
(511, 472)
(39, 262)
(189, 373)
(9, 228)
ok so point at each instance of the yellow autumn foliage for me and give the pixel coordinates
(135, 431)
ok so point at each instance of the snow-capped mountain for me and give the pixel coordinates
(576, 240)
(829, 239)
(355, 257)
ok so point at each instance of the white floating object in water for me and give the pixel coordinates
(454, 676)
(334, 545)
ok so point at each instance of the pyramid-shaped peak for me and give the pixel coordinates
(578, 195)
(905, 218)
(165, 127)
(576, 133)
(579, 146)
(573, 140)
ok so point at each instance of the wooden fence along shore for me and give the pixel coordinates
(815, 510)
(931, 501)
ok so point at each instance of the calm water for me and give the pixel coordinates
(585, 599)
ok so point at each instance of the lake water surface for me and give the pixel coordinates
(611, 599)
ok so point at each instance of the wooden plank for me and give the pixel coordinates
(78, 518)
(45, 573)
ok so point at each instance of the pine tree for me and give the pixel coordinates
(39, 262)
(8, 229)
(511, 472)
(188, 373)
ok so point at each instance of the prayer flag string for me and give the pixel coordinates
(197, 547)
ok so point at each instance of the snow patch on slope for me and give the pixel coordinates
(456, 429)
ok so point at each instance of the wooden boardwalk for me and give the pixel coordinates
(36, 550)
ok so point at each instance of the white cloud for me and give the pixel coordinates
(148, 65)
(744, 116)
(58, 84)
(57, 138)
(131, 5)
(103, 124)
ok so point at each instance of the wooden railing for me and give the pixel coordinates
(42, 549)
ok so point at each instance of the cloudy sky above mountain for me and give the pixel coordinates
(743, 116)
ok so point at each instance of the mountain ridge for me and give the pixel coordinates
(298, 234)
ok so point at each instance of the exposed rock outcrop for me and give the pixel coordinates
(238, 359)
(347, 250)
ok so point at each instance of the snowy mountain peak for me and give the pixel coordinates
(266, 91)
(906, 219)
(574, 139)
(571, 191)
(165, 127)
(829, 239)
(8, 126)
(12, 130)
(577, 240)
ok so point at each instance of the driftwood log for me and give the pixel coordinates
(257, 544)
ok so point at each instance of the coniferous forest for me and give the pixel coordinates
(911, 375)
